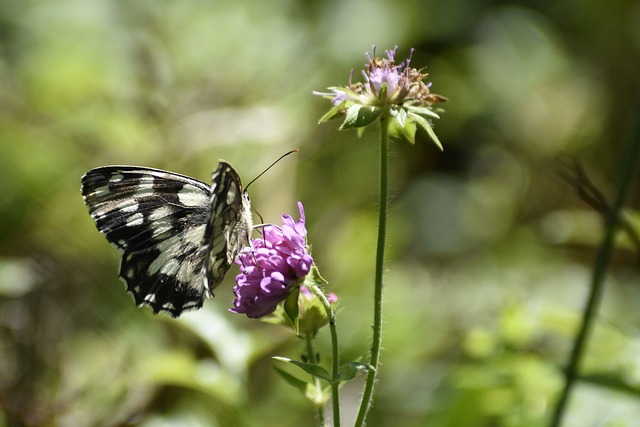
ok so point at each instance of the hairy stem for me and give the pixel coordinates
(376, 340)
(311, 358)
(335, 353)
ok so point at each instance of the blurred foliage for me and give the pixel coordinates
(489, 248)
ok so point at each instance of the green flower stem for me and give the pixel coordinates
(335, 354)
(376, 341)
(602, 260)
(311, 358)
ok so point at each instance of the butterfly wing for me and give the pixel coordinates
(158, 219)
(229, 224)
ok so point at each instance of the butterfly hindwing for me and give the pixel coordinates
(168, 225)
(226, 208)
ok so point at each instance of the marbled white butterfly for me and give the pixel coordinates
(179, 235)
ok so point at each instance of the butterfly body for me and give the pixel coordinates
(179, 236)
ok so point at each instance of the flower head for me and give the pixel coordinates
(397, 90)
(271, 267)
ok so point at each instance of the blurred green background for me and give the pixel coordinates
(489, 252)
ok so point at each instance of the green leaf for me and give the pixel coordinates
(359, 115)
(315, 370)
(315, 394)
(348, 371)
(426, 126)
(291, 310)
(293, 381)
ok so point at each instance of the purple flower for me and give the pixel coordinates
(271, 267)
(402, 84)
(390, 89)
(384, 72)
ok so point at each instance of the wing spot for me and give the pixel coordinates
(189, 305)
(160, 213)
(101, 191)
(131, 208)
(232, 193)
(135, 220)
(116, 177)
(160, 228)
(191, 198)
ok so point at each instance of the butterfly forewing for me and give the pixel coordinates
(160, 220)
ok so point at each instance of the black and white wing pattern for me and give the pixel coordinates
(179, 235)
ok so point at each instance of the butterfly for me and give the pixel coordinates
(179, 236)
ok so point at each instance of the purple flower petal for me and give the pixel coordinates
(272, 267)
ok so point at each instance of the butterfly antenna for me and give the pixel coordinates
(269, 167)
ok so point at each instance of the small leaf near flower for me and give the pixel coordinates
(293, 381)
(408, 131)
(400, 114)
(360, 116)
(348, 371)
(335, 113)
(291, 310)
(318, 396)
(424, 124)
(315, 370)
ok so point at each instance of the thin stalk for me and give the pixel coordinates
(376, 340)
(601, 263)
(335, 353)
(311, 358)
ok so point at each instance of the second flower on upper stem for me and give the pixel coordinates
(396, 90)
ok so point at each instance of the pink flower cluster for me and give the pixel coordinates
(271, 267)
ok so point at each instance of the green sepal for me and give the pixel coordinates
(408, 131)
(291, 309)
(314, 278)
(423, 111)
(348, 371)
(358, 115)
(402, 127)
(424, 123)
(315, 370)
(400, 114)
(334, 113)
(382, 94)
